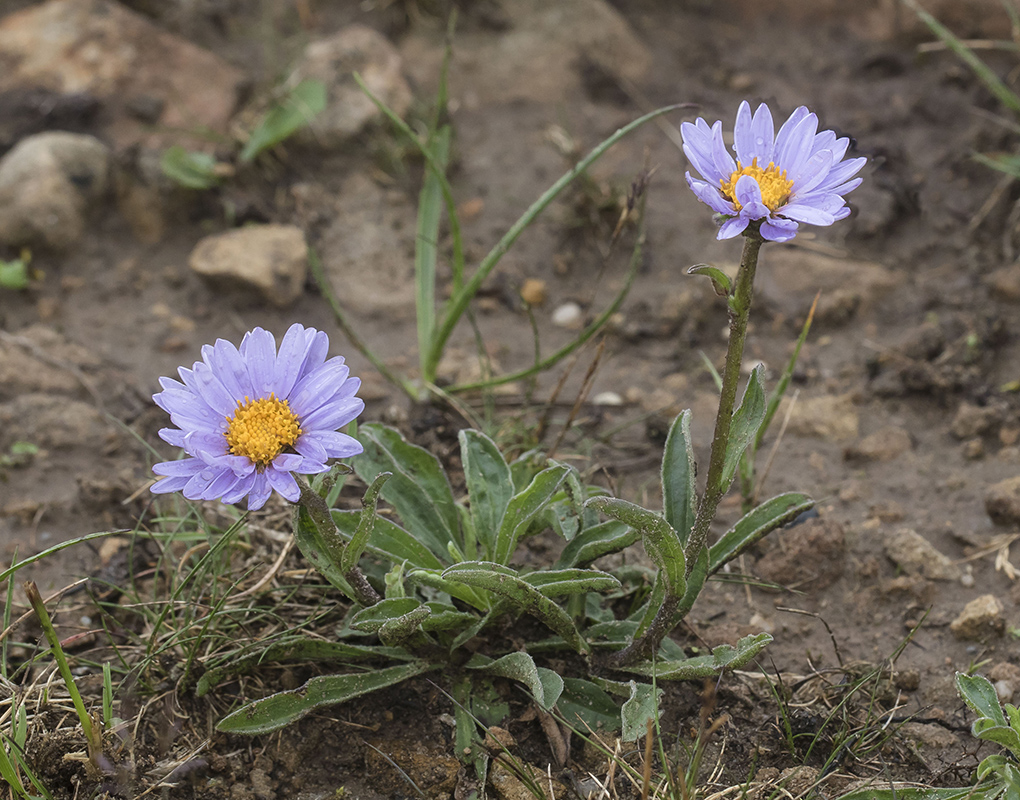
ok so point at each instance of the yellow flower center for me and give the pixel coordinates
(260, 429)
(775, 188)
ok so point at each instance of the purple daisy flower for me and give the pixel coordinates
(249, 417)
(797, 175)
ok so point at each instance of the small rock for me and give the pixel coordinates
(980, 618)
(972, 420)
(907, 680)
(607, 399)
(810, 555)
(915, 555)
(973, 449)
(1004, 690)
(832, 417)
(48, 183)
(1005, 283)
(1002, 501)
(533, 291)
(1006, 679)
(569, 316)
(883, 445)
(269, 259)
(356, 48)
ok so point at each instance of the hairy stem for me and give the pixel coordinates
(670, 612)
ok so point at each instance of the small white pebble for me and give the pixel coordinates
(967, 579)
(568, 315)
(1005, 691)
(607, 399)
(86, 621)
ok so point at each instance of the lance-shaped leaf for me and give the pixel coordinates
(295, 649)
(395, 619)
(640, 707)
(389, 540)
(565, 513)
(366, 521)
(434, 578)
(991, 724)
(562, 582)
(889, 790)
(545, 685)
(523, 508)
(296, 110)
(419, 489)
(755, 524)
(660, 539)
(489, 484)
(278, 710)
(585, 707)
(724, 657)
(597, 541)
(445, 617)
(526, 598)
(720, 280)
(324, 556)
(744, 427)
(679, 493)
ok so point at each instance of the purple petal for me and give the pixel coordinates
(318, 387)
(812, 172)
(724, 163)
(732, 227)
(748, 194)
(220, 485)
(172, 436)
(258, 348)
(288, 462)
(290, 361)
(698, 147)
(334, 415)
(797, 146)
(240, 489)
(204, 382)
(167, 485)
(710, 196)
(843, 213)
(807, 213)
(778, 230)
(743, 137)
(309, 447)
(763, 131)
(227, 364)
(338, 445)
(284, 483)
(841, 172)
(259, 493)
(185, 467)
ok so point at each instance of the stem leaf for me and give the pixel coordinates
(679, 492)
(758, 522)
(746, 421)
(545, 685)
(489, 484)
(524, 507)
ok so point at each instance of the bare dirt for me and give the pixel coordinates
(904, 416)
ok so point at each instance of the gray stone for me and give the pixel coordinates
(833, 418)
(271, 260)
(360, 49)
(882, 445)
(915, 555)
(1002, 501)
(980, 619)
(48, 182)
(368, 251)
(100, 48)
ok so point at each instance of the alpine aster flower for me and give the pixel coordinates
(797, 175)
(249, 417)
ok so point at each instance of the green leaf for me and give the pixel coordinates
(296, 110)
(523, 508)
(489, 484)
(660, 539)
(189, 169)
(640, 707)
(978, 693)
(545, 685)
(597, 541)
(561, 582)
(388, 540)
(744, 427)
(755, 524)
(505, 582)
(990, 732)
(586, 707)
(323, 556)
(720, 280)
(445, 617)
(724, 657)
(280, 709)
(373, 618)
(679, 493)
(419, 489)
(910, 791)
(366, 522)
(426, 246)
(435, 579)
(14, 274)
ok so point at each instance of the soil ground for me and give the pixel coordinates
(917, 321)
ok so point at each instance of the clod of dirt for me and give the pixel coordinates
(882, 445)
(434, 772)
(270, 260)
(1002, 501)
(833, 418)
(38, 359)
(509, 786)
(808, 556)
(1005, 283)
(972, 420)
(915, 555)
(47, 184)
(348, 111)
(981, 618)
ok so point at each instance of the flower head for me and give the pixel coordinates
(781, 179)
(249, 417)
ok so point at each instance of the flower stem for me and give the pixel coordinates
(673, 607)
(317, 509)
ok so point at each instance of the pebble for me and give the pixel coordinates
(882, 445)
(980, 619)
(48, 184)
(356, 48)
(915, 555)
(1002, 501)
(607, 399)
(533, 291)
(569, 316)
(271, 260)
